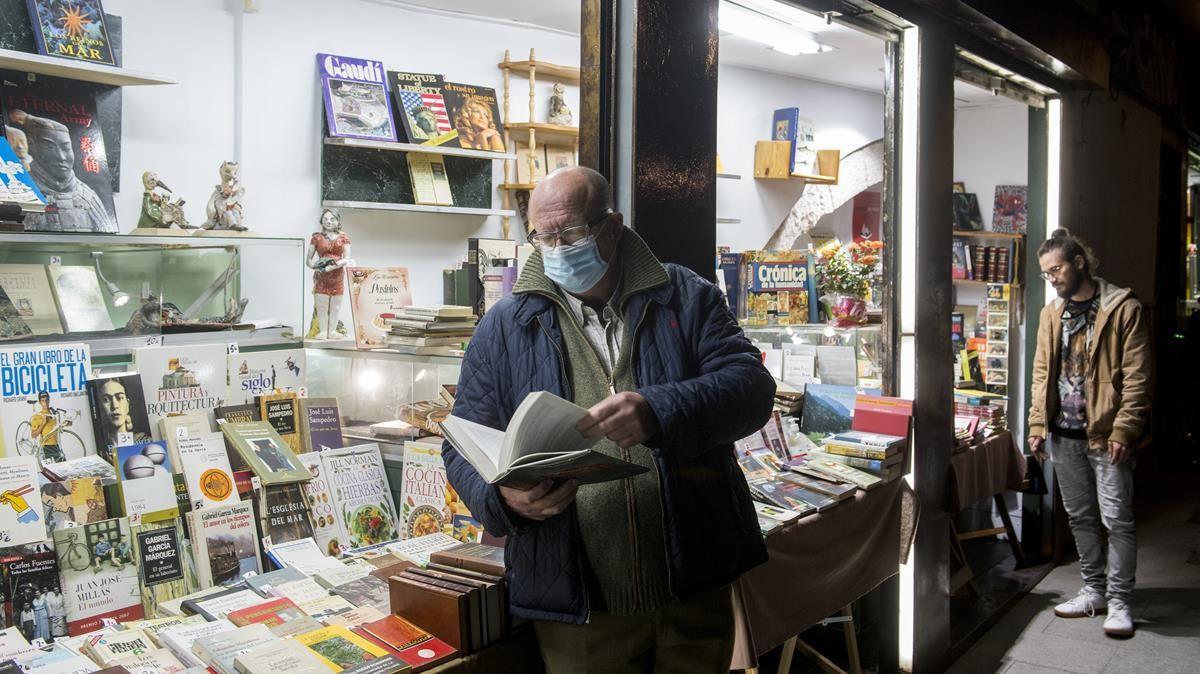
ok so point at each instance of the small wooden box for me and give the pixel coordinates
(773, 159)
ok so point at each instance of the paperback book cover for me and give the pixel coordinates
(272, 461)
(118, 412)
(263, 372)
(80, 301)
(327, 528)
(283, 514)
(418, 648)
(475, 114)
(106, 648)
(172, 429)
(236, 413)
(99, 574)
(966, 212)
(28, 290)
(778, 287)
(224, 543)
(31, 590)
(70, 503)
(422, 108)
(165, 566)
(376, 294)
(205, 467)
(281, 411)
(320, 424)
(71, 29)
(16, 186)
(44, 410)
(356, 98)
(361, 496)
(340, 648)
(21, 517)
(828, 409)
(423, 503)
(147, 485)
(181, 379)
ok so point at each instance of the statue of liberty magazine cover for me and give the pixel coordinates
(356, 98)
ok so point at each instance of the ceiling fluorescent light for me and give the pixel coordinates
(776, 34)
(795, 16)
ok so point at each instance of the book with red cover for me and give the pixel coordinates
(270, 613)
(879, 414)
(408, 642)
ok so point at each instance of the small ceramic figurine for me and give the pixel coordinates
(225, 205)
(328, 254)
(559, 112)
(158, 210)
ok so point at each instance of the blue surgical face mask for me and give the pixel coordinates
(575, 268)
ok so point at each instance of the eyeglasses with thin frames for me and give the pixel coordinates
(1053, 272)
(567, 235)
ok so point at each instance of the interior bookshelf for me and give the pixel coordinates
(78, 70)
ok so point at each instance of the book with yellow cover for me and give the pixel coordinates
(339, 647)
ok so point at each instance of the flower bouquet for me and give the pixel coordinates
(844, 275)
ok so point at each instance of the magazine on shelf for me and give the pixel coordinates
(356, 98)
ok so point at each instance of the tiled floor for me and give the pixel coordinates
(1166, 608)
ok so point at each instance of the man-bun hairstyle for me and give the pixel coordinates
(1070, 246)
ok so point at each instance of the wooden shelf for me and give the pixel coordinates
(517, 187)
(554, 134)
(973, 282)
(77, 70)
(422, 149)
(987, 235)
(773, 161)
(416, 208)
(569, 74)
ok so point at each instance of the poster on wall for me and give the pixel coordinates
(1011, 210)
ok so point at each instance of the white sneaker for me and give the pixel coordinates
(1119, 622)
(1086, 604)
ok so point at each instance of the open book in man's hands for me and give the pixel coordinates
(541, 444)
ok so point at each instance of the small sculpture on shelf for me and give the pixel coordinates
(159, 212)
(328, 254)
(559, 112)
(225, 205)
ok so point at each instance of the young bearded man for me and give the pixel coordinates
(1091, 401)
(631, 575)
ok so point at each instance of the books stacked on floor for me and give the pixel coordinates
(431, 330)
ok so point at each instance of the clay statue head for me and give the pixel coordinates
(331, 220)
(149, 180)
(53, 156)
(230, 172)
(558, 89)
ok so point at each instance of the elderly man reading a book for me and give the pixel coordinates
(624, 563)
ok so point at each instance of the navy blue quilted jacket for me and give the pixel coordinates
(706, 385)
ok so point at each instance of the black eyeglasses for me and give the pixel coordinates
(567, 235)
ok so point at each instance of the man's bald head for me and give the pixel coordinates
(569, 196)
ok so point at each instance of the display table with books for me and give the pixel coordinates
(868, 536)
(981, 471)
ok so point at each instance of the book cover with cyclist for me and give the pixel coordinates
(44, 408)
(99, 574)
(33, 600)
(21, 517)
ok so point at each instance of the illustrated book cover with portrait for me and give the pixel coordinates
(1010, 213)
(118, 412)
(99, 574)
(30, 578)
(362, 499)
(177, 380)
(64, 151)
(72, 502)
(224, 542)
(272, 461)
(376, 293)
(356, 98)
(475, 114)
(264, 372)
(423, 108)
(44, 409)
(71, 29)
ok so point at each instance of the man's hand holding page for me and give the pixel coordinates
(541, 501)
(625, 418)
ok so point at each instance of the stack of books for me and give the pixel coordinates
(433, 330)
(865, 459)
(989, 408)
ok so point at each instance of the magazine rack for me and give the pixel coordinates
(867, 342)
(200, 277)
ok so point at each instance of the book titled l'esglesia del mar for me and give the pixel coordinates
(44, 408)
(99, 574)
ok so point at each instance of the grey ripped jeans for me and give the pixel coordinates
(1094, 492)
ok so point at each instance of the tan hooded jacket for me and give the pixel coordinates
(1117, 389)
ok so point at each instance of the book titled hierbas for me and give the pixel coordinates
(72, 29)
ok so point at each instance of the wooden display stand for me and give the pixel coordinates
(531, 131)
(773, 161)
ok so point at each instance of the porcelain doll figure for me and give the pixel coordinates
(559, 112)
(328, 254)
(159, 211)
(225, 205)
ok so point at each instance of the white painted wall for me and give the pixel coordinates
(991, 147)
(843, 119)
(185, 131)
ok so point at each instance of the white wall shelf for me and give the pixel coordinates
(78, 70)
(416, 208)
(423, 149)
(109, 241)
(346, 348)
(729, 176)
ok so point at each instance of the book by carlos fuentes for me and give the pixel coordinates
(44, 409)
(516, 456)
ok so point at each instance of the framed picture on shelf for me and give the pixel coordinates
(966, 212)
(524, 155)
(559, 156)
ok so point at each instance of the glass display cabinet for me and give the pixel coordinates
(787, 348)
(119, 292)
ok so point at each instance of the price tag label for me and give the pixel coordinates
(135, 519)
(124, 439)
(55, 259)
(255, 483)
(232, 348)
(181, 432)
(38, 643)
(153, 340)
(303, 392)
(70, 524)
(109, 622)
(197, 504)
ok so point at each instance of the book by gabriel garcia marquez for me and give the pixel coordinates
(44, 409)
(176, 380)
(166, 570)
(72, 29)
(361, 496)
(99, 574)
(224, 542)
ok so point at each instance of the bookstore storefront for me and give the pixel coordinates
(237, 291)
